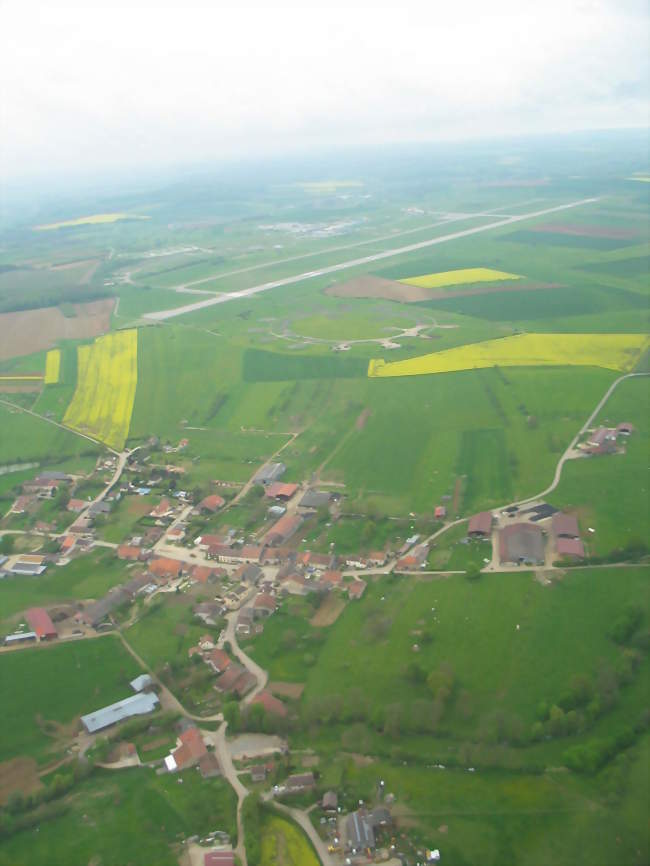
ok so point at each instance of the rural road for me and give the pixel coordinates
(161, 315)
(229, 634)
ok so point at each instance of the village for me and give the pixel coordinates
(235, 579)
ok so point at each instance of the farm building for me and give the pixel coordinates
(271, 704)
(141, 683)
(314, 499)
(565, 525)
(29, 565)
(136, 705)
(235, 679)
(330, 801)
(258, 773)
(377, 557)
(315, 560)
(299, 782)
(278, 490)
(97, 612)
(356, 589)
(480, 525)
(570, 547)
(521, 543)
(625, 428)
(40, 622)
(76, 505)
(212, 503)
(602, 441)
(21, 504)
(20, 637)
(269, 473)
(359, 831)
(283, 530)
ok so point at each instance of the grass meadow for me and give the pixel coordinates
(86, 577)
(52, 686)
(132, 817)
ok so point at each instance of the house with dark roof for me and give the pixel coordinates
(522, 544)
(299, 782)
(264, 605)
(269, 473)
(314, 499)
(330, 801)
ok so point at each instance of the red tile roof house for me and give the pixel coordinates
(271, 704)
(203, 542)
(235, 679)
(295, 584)
(281, 491)
(212, 503)
(264, 605)
(203, 573)
(480, 525)
(40, 622)
(315, 560)
(130, 552)
(440, 512)
(166, 567)
(163, 509)
(68, 543)
(332, 579)
(191, 749)
(219, 661)
(77, 505)
(356, 589)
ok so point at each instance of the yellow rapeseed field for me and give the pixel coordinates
(52, 366)
(107, 374)
(612, 351)
(459, 277)
(92, 219)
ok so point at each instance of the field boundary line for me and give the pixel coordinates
(161, 315)
(57, 424)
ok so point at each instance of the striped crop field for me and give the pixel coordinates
(107, 376)
(52, 366)
(458, 278)
(619, 352)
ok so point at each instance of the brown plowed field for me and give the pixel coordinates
(377, 287)
(19, 774)
(29, 331)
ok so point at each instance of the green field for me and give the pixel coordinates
(132, 817)
(362, 661)
(88, 576)
(165, 631)
(26, 438)
(51, 687)
(591, 486)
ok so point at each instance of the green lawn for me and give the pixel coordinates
(88, 576)
(165, 631)
(58, 684)
(132, 817)
(610, 492)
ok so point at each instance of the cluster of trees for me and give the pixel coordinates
(23, 811)
(591, 756)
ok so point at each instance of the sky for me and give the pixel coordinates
(98, 87)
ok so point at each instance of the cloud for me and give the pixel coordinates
(94, 85)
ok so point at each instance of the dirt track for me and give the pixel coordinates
(29, 331)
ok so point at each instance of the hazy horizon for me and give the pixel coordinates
(92, 88)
